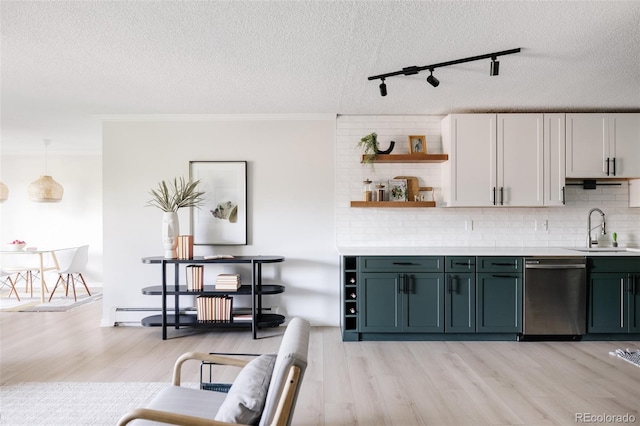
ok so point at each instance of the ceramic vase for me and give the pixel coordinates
(170, 232)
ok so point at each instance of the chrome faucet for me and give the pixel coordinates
(589, 228)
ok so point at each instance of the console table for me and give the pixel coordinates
(255, 289)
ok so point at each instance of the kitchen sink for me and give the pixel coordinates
(604, 250)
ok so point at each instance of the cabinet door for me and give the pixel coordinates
(460, 303)
(519, 164)
(379, 302)
(587, 145)
(607, 303)
(499, 303)
(554, 159)
(625, 145)
(470, 141)
(633, 293)
(423, 310)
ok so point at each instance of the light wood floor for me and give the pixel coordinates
(365, 383)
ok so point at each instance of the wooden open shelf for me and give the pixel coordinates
(410, 158)
(396, 204)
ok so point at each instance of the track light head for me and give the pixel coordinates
(432, 80)
(495, 67)
(383, 88)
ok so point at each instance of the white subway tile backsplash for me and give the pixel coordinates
(445, 227)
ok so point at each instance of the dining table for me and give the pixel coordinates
(42, 266)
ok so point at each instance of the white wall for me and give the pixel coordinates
(290, 196)
(440, 227)
(74, 221)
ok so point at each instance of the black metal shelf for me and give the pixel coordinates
(255, 291)
(156, 290)
(187, 320)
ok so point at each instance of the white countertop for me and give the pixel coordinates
(485, 251)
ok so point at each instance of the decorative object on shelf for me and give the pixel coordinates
(370, 148)
(412, 70)
(45, 189)
(413, 187)
(4, 192)
(380, 192)
(185, 247)
(194, 277)
(223, 220)
(397, 190)
(417, 144)
(169, 198)
(367, 193)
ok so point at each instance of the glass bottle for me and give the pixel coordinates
(380, 192)
(367, 192)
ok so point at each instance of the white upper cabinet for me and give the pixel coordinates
(603, 145)
(494, 160)
(554, 159)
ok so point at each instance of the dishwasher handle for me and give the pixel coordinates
(556, 266)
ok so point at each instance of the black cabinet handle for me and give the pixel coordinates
(494, 196)
(502, 264)
(502, 196)
(607, 166)
(404, 263)
(563, 196)
(504, 276)
(614, 165)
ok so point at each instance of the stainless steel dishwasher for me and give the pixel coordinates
(555, 296)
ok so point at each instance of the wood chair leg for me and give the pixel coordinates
(84, 283)
(56, 286)
(73, 284)
(13, 288)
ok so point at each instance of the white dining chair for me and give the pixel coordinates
(6, 281)
(71, 272)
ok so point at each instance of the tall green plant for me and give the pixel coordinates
(173, 196)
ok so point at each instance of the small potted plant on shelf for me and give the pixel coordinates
(169, 198)
(370, 148)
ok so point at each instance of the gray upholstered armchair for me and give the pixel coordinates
(264, 392)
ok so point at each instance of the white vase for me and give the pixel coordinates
(170, 232)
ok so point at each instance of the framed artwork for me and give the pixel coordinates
(417, 144)
(222, 218)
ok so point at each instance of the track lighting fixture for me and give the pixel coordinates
(494, 70)
(432, 80)
(495, 67)
(383, 88)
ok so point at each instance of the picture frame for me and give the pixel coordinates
(417, 144)
(222, 218)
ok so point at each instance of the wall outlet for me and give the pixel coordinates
(542, 225)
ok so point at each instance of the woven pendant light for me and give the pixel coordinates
(4, 192)
(45, 189)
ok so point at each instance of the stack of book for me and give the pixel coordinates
(214, 308)
(195, 277)
(185, 247)
(228, 282)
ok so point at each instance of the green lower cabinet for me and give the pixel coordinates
(401, 303)
(460, 303)
(499, 303)
(614, 303)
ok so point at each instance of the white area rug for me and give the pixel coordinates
(59, 303)
(72, 403)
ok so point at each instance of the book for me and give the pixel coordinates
(194, 277)
(218, 256)
(228, 282)
(397, 190)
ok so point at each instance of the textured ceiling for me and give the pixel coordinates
(65, 63)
